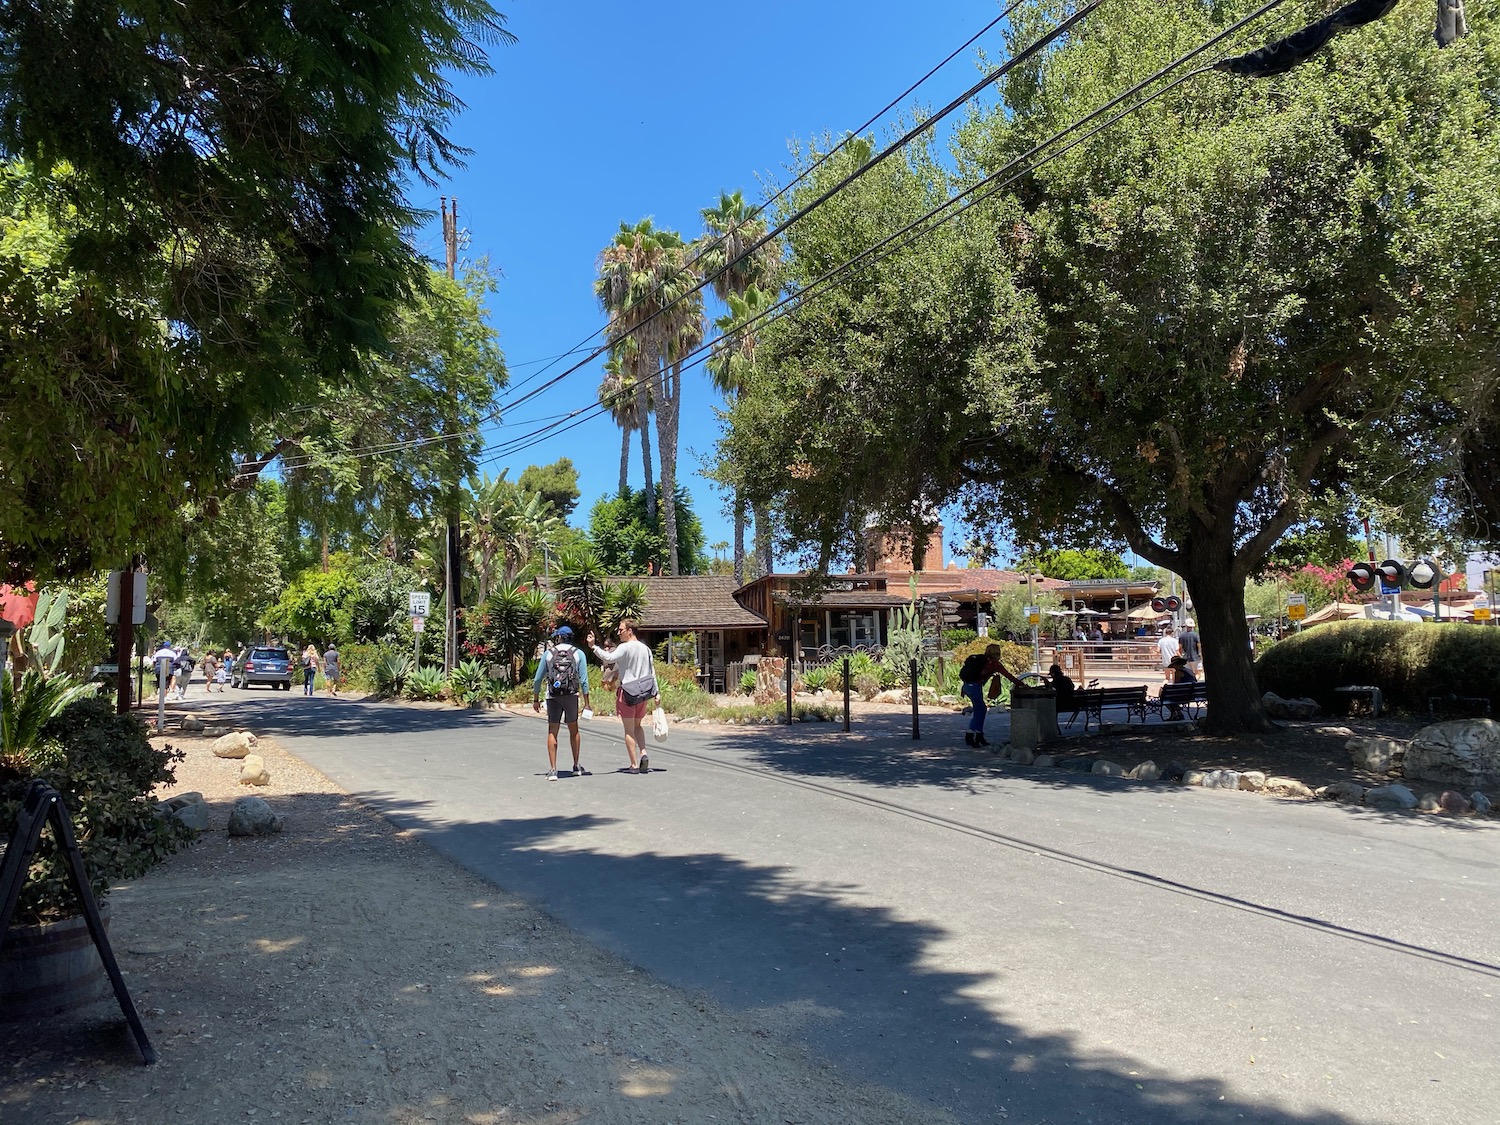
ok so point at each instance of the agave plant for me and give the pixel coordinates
(44, 636)
(469, 683)
(622, 600)
(426, 684)
(391, 671)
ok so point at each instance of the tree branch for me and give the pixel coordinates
(248, 471)
(1247, 557)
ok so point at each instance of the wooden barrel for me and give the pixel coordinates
(50, 968)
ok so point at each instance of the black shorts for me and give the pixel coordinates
(562, 709)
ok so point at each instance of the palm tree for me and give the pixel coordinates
(731, 229)
(617, 393)
(683, 331)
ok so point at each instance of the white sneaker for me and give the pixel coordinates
(551, 775)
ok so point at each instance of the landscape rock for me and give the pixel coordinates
(1193, 777)
(1146, 771)
(1376, 754)
(1279, 708)
(1482, 804)
(1461, 751)
(1045, 761)
(1252, 781)
(177, 802)
(1344, 792)
(1108, 769)
(1336, 732)
(1288, 787)
(1455, 804)
(1391, 797)
(1221, 779)
(253, 771)
(891, 695)
(1021, 755)
(191, 723)
(193, 815)
(1428, 802)
(251, 816)
(1173, 772)
(234, 745)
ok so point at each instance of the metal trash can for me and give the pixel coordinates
(1043, 701)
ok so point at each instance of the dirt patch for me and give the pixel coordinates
(342, 971)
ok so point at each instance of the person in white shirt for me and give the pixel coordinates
(1167, 643)
(169, 654)
(637, 681)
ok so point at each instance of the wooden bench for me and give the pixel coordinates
(1193, 695)
(1091, 702)
(1352, 691)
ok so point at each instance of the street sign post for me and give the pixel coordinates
(419, 603)
(1296, 608)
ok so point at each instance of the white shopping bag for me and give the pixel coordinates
(659, 724)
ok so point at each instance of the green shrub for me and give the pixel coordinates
(469, 683)
(357, 666)
(867, 684)
(747, 681)
(426, 684)
(1016, 658)
(952, 638)
(105, 768)
(390, 673)
(815, 679)
(1408, 662)
(676, 675)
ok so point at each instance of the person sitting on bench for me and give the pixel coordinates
(1178, 672)
(1064, 688)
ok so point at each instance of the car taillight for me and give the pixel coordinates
(250, 667)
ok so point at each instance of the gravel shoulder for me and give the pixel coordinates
(343, 971)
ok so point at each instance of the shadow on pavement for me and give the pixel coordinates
(852, 981)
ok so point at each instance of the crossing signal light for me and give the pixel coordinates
(1362, 576)
(1392, 573)
(1159, 605)
(1424, 574)
(1174, 603)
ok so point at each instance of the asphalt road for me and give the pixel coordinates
(1005, 944)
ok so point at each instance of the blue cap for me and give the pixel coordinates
(562, 631)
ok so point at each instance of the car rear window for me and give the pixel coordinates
(268, 654)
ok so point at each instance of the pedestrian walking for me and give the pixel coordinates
(635, 671)
(310, 660)
(1191, 647)
(565, 671)
(978, 670)
(164, 683)
(184, 671)
(331, 669)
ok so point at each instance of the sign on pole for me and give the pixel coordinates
(419, 602)
(1033, 615)
(417, 624)
(1296, 607)
(138, 600)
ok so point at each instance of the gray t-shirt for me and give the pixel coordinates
(1188, 642)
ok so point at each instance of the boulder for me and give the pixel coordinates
(235, 745)
(1378, 755)
(1193, 777)
(1044, 761)
(251, 816)
(1279, 708)
(193, 816)
(1108, 769)
(1335, 732)
(1461, 751)
(253, 771)
(891, 695)
(1146, 771)
(1288, 787)
(1344, 792)
(1020, 755)
(1252, 781)
(1428, 803)
(1482, 804)
(1455, 804)
(1221, 779)
(177, 802)
(1391, 797)
(191, 723)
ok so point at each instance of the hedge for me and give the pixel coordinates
(1406, 661)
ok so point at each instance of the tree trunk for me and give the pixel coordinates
(763, 544)
(1228, 667)
(739, 538)
(624, 460)
(643, 415)
(666, 444)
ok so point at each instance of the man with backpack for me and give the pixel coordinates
(565, 671)
(980, 669)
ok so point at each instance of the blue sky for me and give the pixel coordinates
(607, 111)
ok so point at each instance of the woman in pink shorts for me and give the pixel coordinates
(636, 672)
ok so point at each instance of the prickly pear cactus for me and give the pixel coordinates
(44, 637)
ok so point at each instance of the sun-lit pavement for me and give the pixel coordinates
(1005, 944)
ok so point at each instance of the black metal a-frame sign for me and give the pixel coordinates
(42, 804)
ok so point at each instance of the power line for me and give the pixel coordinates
(991, 184)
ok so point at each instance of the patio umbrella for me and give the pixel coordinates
(1146, 613)
(1446, 613)
(1334, 611)
(18, 606)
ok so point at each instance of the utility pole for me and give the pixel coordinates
(453, 570)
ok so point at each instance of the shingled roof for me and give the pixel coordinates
(694, 601)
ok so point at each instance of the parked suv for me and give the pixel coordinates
(263, 666)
